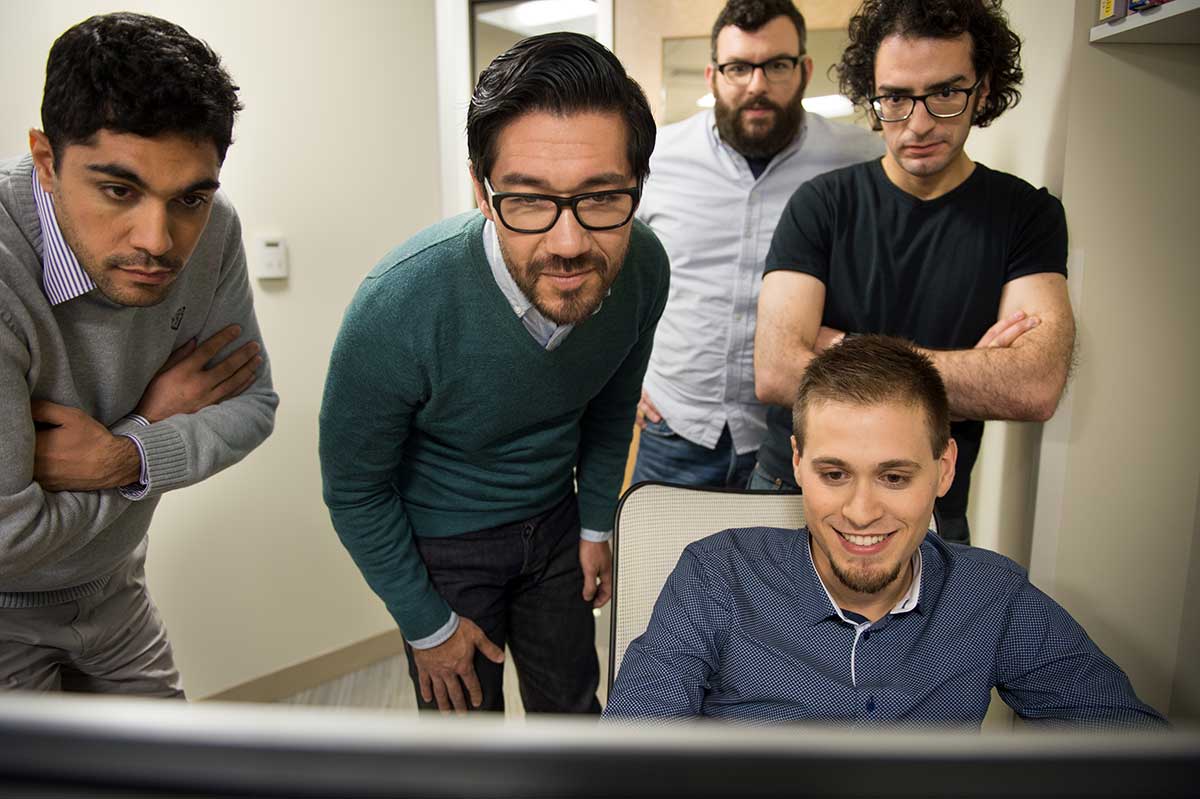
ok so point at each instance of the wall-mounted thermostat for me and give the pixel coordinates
(270, 260)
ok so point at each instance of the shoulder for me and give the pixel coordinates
(680, 137)
(847, 183)
(841, 141)
(976, 570)
(1018, 192)
(729, 551)
(433, 245)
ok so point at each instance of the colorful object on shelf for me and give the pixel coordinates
(1112, 10)
(1142, 5)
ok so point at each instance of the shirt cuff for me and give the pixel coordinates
(595, 536)
(138, 490)
(440, 637)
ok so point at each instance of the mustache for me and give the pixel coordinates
(580, 263)
(144, 260)
(759, 103)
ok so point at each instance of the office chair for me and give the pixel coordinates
(655, 521)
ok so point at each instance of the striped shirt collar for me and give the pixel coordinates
(63, 278)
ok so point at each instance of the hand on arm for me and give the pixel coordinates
(444, 670)
(1019, 369)
(788, 333)
(595, 558)
(74, 452)
(185, 384)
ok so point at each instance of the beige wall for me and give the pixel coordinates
(337, 151)
(1117, 519)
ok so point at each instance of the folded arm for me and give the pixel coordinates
(790, 307)
(1022, 381)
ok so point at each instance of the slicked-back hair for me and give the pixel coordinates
(875, 370)
(558, 73)
(995, 49)
(133, 73)
(750, 15)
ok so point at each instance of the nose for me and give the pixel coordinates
(758, 81)
(567, 239)
(862, 509)
(152, 229)
(921, 121)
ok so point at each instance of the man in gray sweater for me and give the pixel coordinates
(130, 359)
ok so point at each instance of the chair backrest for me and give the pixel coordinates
(654, 523)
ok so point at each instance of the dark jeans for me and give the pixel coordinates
(950, 528)
(665, 456)
(522, 584)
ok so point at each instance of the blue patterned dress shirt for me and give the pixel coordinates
(744, 629)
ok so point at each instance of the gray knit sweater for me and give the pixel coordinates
(98, 356)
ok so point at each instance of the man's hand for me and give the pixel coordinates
(77, 453)
(595, 557)
(183, 385)
(444, 669)
(647, 412)
(1007, 330)
(827, 337)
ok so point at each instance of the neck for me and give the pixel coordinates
(928, 187)
(872, 606)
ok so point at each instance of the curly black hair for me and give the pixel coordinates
(133, 73)
(995, 52)
(562, 73)
(751, 15)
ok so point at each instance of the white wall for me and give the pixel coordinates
(337, 150)
(1028, 141)
(1117, 533)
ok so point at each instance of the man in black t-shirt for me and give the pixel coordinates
(966, 262)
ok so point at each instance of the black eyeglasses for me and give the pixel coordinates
(536, 213)
(774, 70)
(944, 103)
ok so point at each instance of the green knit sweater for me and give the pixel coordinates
(442, 415)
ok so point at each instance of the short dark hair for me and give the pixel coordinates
(750, 15)
(873, 370)
(560, 73)
(995, 49)
(132, 73)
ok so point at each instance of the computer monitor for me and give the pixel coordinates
(101, 746)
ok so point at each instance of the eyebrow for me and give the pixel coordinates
(129, 176)
(595, 182)
(838, 463)
(945, 84)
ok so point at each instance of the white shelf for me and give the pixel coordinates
(1177, 22)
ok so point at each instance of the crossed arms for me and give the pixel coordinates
(1017, 371)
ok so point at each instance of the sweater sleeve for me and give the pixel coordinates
(36, 526)
(374, 388)
(607, 424)
(187, 448)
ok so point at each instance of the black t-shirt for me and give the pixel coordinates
(928, 271)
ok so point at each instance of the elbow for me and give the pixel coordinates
(768, 389)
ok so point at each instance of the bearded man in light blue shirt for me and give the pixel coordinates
(719, 182)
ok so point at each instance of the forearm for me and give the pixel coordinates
(777, 377)
(1017, 383)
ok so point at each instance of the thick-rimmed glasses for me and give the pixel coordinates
(775, 70)
(944, 103)
(536, 213)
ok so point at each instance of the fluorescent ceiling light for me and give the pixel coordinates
(828, 105)
(534, 15)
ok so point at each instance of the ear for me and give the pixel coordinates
(795, 460)
(710, 77)
(481, 200)
(43, 158)
(981, 94)
(806, 65)
(946, 464)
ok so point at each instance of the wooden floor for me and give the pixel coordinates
(386, 684)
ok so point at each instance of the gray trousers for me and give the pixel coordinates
(110, 642)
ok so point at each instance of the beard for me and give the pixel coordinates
(565, 307)
(759, 143)
(867, 582)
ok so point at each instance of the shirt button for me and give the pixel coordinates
(870, 704)
(866, 635)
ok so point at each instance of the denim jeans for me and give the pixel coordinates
(522, 584)
(665, 456)
(950, 528)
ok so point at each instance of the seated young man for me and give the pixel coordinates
(864, 615)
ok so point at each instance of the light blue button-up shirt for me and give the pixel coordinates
(716, 221)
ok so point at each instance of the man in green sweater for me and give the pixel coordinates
(482, 390)
(122, 278)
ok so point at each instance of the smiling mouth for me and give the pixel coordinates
(863, 540)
